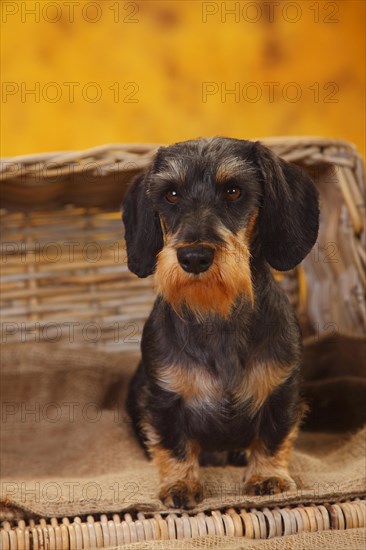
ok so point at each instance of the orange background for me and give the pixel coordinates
(158, 55)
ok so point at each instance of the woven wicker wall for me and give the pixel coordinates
(64, 274)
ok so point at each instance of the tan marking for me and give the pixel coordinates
(215, 290)
(232, 167)
(262, 466)
(193, 384)
(258, 382)
(171, 469)
(250, 226)
(178, 477)
(149, 432)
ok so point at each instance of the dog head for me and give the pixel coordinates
(204, 207)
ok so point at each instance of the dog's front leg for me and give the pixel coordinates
(267, 472)
(179, 477)
(178, 467)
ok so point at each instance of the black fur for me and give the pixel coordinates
(289, 220)
(143, 233)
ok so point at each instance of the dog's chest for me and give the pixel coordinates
(202, 388)
(215, 396)
(216, 414)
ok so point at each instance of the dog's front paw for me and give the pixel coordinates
(257, 486)
(182, 494)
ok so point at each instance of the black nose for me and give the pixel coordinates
(195, 259)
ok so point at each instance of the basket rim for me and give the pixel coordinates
(142, 148)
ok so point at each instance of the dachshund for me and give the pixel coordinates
(221, 349)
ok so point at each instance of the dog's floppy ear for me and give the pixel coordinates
(289, 216)
(143, 234)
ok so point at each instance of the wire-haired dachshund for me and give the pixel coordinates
(221, 348)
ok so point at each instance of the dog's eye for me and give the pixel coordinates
(232, 193)
(171, 196)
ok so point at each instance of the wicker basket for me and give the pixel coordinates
(64, 278)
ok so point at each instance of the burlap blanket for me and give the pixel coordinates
(67, 447)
